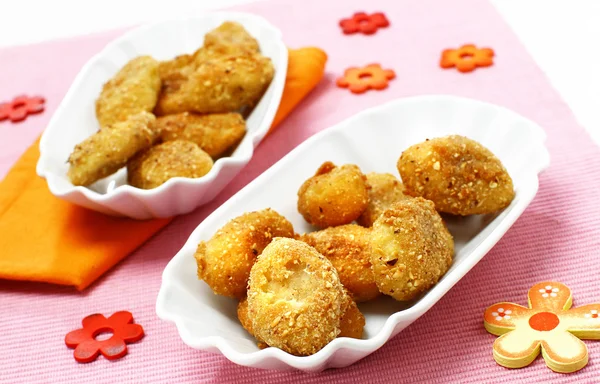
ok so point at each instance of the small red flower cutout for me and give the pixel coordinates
(360, 80)
(361, 22)
(21, 107)
(88, 347)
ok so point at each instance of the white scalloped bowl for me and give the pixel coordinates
(373, 139)
(75, 120)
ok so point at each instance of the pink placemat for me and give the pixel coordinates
(558, 237)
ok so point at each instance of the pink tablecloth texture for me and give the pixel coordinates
(558, 237)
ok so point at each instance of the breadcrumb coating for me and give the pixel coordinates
(215, 133)
(333, 196)
(224, 261)
(109, 149)
(412, 248)
(154, 166)
(348, 247)
(458, 174)
(132, 90)
(295, 298)
(384, 190)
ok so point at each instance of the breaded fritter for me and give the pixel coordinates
(295, 298)
(333, 196)
(458, 174)
(132, 90)
(224, 84)
(230, 38)
(215, 133)
(174, 72)
(242, 312)
(384, 190)
(348, 247)
(412, 248)
(154, 166)
(109, 149)
(224, 261)
(352, 322)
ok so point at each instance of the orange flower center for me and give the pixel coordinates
(543, 321)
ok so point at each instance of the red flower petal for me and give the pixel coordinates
(87, 351)
(130, 332)
(18, 114)
(94, 322)
(120, 318)
(113, 348)
(78, 336)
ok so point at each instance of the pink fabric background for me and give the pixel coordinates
(558, 237)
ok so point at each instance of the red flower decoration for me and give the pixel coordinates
(20, 107)
(87, 347)
(361, 22)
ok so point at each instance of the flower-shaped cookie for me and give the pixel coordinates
(359, 80)
(21, 107)
(361, 22)
(548, 324)
(467, 58)
(87, 344)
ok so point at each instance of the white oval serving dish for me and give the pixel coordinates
(373, 139)
(75, 120)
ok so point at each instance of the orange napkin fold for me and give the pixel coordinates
(43, 238)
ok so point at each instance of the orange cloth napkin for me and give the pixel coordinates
(43, 238)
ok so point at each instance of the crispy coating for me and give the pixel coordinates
(109, 149)
(215, 133)
(224, 261)
(352, 322)
(295, 298)
(333, 196)
(230, 38)
(348, 247)
(132, 90)
(242, 312)
(173, 72)
(222, 84)
(154, 166)
(412, 248)
(458, 174)
(384, 190)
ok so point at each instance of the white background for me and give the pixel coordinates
(563, 36)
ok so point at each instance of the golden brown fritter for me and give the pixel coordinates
(154, 166)
(348, 247)
(384, 190)
(458, 174)
(352, 322)
(215, 133)
(412, 248)
(230, 38)
(109, 149)
(174, 72)
(223, 84)
(295, 298)
(242, 312)
(333, 196)
(132, 90)
(224, 261)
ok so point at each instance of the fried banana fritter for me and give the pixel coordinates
(173, 72)
(384, 190)
(230, 38)
(134, 89)
(352, 322)
(333, 196)
(242, 312)
(215, 133)
(412, 248)
(154, 166)
(295, 298)
(348, 247)
(458, 174)
(224, 261)
(109, 149)
(224, 84)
